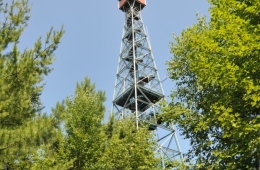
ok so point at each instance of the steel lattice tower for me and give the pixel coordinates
(138, 88)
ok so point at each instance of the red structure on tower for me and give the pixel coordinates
(126, 4)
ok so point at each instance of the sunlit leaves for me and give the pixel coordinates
(216, 65)
(89, 144)
(128, 148)
(83, 113)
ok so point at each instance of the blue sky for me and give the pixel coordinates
(91, 44)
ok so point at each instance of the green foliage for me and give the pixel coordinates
(22, 72)
(128, 148)
(89, 144)
(83, 115)
(19, 146)
(22, 128)
(217, 102)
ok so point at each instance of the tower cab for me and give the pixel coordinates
(125, 4)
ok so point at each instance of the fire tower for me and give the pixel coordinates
(138, 88)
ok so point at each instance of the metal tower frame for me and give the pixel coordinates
(138, 89)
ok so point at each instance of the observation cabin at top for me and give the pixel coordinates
(124, 5)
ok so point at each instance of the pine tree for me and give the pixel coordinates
(22, 126)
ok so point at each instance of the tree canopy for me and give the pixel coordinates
(217, 104)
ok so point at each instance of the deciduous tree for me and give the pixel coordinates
(91, 144)
(84, 112)
(217, 103)
(127, 147)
